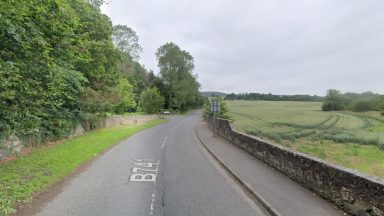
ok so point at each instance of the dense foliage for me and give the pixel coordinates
(366, 101)
(127, 41)
(43, 45)
(180, 87)
(62, 61)
(271, 97)
(151, 100)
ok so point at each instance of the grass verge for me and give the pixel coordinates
(28, 175)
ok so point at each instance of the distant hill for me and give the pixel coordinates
(213, 93)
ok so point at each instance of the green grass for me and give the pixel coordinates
(27, 175)
(349, 139)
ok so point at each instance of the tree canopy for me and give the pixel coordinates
(151, 100)
(127, 41)
(62, 61)
(181, 89)
(53, 54)
(366, 101)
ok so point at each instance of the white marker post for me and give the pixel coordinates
(215, 108)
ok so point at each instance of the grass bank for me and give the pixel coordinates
(349, 139)
(22, 178)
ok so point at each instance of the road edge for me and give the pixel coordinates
(39, 199)
(241, 182)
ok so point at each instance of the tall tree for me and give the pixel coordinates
(334, 101)
(97, 3)
(127, 41)
(176, 71)
(52, 54)
(97, 58)
(40, 85)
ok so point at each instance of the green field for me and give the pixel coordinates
(351, 139)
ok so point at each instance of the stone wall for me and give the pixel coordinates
(13, 144)
(124, 120)
(354, 192)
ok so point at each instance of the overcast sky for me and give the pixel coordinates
(277, 46)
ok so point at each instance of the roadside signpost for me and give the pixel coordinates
(215, 108)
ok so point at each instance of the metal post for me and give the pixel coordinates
(214, 124)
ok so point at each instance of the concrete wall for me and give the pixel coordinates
(356, 193)
(13, 144)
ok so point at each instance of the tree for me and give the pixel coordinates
(181, 88)
(362, 106)
(126, 100)
(40, 86)
(151, 100)
(97, 3)
(335, 101)
(96, 56)
(52, 55)
(127, 41)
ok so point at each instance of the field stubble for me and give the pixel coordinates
(353, 140)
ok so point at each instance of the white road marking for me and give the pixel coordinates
(170, 131)
(165, 141)
(146, 160)
(144, 177)
(137, 177)
(152, 207)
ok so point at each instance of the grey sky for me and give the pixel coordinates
(277, 46)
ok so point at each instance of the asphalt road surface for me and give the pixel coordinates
(160, 171)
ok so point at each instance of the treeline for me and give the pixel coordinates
(271, 97)
(62, 62)
(366, 101)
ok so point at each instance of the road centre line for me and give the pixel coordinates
(152, 206)
(165, 141)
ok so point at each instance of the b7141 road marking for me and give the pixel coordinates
(141, 171)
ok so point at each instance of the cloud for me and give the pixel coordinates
(283, 47)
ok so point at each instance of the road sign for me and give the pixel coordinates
(215, 105)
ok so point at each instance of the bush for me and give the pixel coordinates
(381, 146)
(151, 101)
(335, 101)
(362, 106)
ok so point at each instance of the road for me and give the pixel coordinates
(160, 171)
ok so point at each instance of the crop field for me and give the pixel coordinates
(350, 139)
